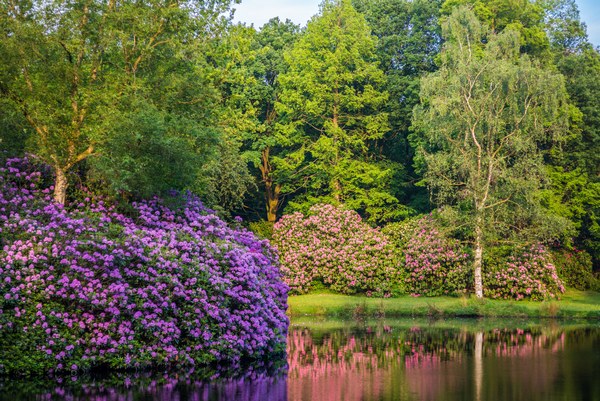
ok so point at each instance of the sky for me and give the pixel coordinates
(258, 12)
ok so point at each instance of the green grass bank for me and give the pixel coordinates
(573, 304)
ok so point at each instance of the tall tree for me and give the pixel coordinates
(333, 99)
(409, 40)
(262, 143)
(484, 114)
(576, 165)
(250, 64)
(69, 66)
(565, 30)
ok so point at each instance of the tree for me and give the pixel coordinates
(332, 99)
(263, 140)
(409, 39)
(576, 165)
(72, 67)
(483, 116)
(524, 17)
(566, 32)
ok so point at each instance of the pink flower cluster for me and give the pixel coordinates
(335, 246)
(527, 274)
(89, 287)
(435, 265)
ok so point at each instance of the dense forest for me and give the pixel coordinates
(484, 111)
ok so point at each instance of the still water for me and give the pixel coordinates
(333, 360)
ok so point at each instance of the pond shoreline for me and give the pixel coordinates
(572, 305)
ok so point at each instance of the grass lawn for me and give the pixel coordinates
(573, 304)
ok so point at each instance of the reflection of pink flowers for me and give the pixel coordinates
(425, 363)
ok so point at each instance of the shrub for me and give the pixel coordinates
(575, 269)
(88, 287)
(435, 265)
(262, 229)
(526, 273)
(401, 232)
(335, 246)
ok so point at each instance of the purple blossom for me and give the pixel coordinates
(158, 287)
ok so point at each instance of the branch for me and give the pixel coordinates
(83, 155)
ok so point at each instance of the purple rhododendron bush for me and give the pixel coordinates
(86, 287)
(334, 246)
(435, 264)
(527, 273)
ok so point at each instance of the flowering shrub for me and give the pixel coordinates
(89, 287)
(401, 232)
(435, 265)
(526, 273)
(334, 245)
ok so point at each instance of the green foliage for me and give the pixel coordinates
(575, 167)
(575, 196)
(262, 229)
(566, 32)
(265, 142)
(574, 267)
(225, 181)
(482, 117)
(409, 40)
(332, 97)
(521, 273)
(524, 17)
(149, 151)
(77, 75)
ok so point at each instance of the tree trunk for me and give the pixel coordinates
(478, 258)
(60, 185)
(272, 202)
(272, 190)
(337, 194)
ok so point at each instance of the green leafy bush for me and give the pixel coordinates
(575, 269)
(262, 229)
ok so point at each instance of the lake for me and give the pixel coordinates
(377, 360)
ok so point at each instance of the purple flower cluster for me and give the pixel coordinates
(87, 286)
(526, 274)
(435, 265)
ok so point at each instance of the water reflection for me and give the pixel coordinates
(424, 362)
(377, 361)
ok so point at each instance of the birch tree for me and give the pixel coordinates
(484, 117)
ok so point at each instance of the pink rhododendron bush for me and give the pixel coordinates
(527, 273)
(87, 287)
(334, 246)
(435, 264)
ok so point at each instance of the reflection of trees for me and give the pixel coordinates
(422, 364)
(380, 363)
